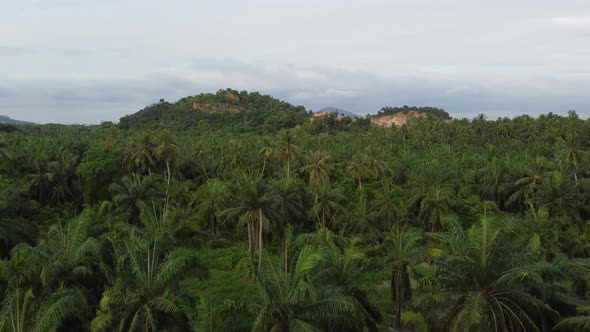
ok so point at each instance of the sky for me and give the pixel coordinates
(86, 61)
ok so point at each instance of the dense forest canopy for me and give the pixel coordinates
(264, 219)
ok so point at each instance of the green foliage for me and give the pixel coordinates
(318, 224)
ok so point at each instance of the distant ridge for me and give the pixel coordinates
(331, 109)
(6, 119)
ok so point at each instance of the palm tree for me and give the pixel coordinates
(294, 301)
(64, 259)
(265, 152)
(141, 155)
(15, 231)
(21, 311)
(571, 152)
(402, 253)
(131, 195)
(213, 199)
(575, 324)
(66, 182)
(200, 151)
(389, 204)
(344, 267)
(40, 182)
(234, 156)
(328, 204)
(318, 168)
(165, 152)
(289, 206)
(434, 206)
(144, 294)
(48, 280)
(255, 205)
(288, 150)
(482, 282)
(358, 168)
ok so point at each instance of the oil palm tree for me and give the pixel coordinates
(389, 205)
(295, 301)
(41, 180)
(141, 156)
(435, 204)
(402, 254)
(358, 168)
(213, 199)
(144, 294)
(482, 283)
(131, 195)
(577, 323)
(22, 311)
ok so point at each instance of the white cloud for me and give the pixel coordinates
(103, 59)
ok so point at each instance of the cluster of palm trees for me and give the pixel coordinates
(463, 225)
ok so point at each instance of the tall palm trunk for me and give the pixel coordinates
(396, 295)
(250, 236)
(260, 239)
(263, 167)
(288, 166)
(286, 253)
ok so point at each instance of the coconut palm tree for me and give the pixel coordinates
(165, 152)
(571, 152)
(265, 152)
(288, 150)
(200, 152)
(254, 206)
(318, 168)
(328, 204)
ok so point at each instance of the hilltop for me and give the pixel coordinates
(6, 119)
(399, 116)
(241, 111)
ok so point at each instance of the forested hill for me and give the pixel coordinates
(430, 111)
(237, 111)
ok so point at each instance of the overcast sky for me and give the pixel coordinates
(84, 61)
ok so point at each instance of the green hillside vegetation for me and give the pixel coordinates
(187, 219)
(226, 110)
(432, 111)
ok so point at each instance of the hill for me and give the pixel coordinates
(6, 119)
(331, 109)
(239, 111)
(399, 116)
